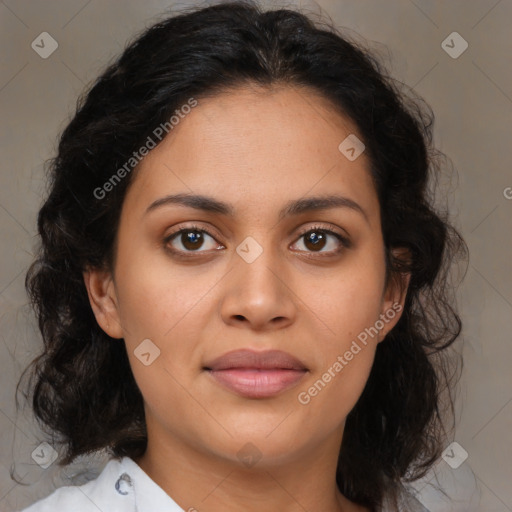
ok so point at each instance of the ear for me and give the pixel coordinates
(102, 296)
(394, 295)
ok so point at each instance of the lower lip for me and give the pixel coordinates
(253, 383)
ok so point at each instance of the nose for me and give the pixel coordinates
(258, 294)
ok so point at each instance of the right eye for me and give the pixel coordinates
(191, 239)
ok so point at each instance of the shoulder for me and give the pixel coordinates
(96, 494)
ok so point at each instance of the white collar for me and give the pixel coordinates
(126, 480)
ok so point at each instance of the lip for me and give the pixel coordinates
(262, 360)
(256, 374)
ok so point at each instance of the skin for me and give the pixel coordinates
(255, 149)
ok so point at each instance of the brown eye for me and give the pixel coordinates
(190, 240)
(317, 239)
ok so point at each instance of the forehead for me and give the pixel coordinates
(257, 146)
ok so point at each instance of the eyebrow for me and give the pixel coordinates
(294, 207)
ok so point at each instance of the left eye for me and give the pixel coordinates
(317, 239)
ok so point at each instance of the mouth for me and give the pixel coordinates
(256, 374)
(254, 383)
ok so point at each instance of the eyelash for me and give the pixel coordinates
(344, 241)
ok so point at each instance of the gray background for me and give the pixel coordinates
(472, 98)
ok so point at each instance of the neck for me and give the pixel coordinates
(199, 480)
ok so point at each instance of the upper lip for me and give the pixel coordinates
(268, 359)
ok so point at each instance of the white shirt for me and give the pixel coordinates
(123, 486)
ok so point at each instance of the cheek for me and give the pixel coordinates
(165, 306)
(166, 396)
(331, 395)
(348, 307)
(157, 301)
(163, 309)
(345, 355)
(346, 304)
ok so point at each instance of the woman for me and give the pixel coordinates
(242, 282)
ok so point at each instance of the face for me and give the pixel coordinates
(261, 271)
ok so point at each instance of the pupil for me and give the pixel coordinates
(315, 239)
(192, 237)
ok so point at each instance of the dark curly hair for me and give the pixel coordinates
(81, 387)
